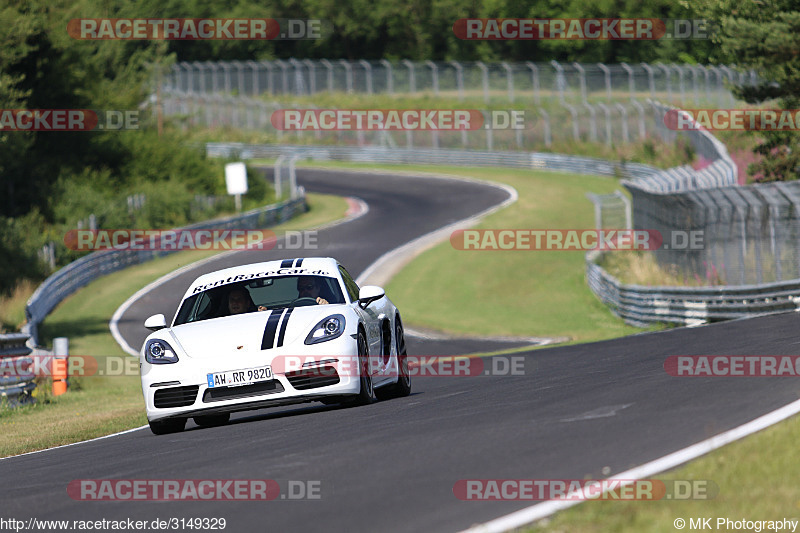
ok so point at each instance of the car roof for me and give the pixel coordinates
(310, 266)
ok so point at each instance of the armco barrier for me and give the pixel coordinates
(14, 355)
(424, 156)
(640, 305)
(96, 264)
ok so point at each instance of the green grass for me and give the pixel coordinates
(99, 405)
(756, 477)
(524, 293)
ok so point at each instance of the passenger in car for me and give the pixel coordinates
(240, 301)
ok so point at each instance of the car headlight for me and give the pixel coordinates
(327, 329)
(159, 352)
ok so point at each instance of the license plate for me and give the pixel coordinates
(234, 378)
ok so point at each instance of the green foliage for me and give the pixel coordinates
(764, 36)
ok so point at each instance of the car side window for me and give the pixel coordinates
(349, 284)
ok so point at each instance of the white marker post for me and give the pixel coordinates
(236, 181)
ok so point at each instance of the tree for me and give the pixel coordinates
(764, 36)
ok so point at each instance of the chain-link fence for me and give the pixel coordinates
(566, 83)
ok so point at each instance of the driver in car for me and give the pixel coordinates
(308, 287)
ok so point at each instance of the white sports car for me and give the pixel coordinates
(267, 334)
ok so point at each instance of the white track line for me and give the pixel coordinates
(74, 443)
(543, 510)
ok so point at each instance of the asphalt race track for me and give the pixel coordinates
(391, 466)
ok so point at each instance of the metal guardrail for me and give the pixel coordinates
(96, 264)
(640, 305)
(14, 357)
(386, 155)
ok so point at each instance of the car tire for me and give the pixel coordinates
(403, 385)
(366, 392)
(165, 427)
(210, 421)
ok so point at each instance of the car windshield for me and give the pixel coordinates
(259, 294)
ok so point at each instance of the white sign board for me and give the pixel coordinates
(236, 178)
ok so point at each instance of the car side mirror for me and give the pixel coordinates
(369, 294)
(156, 322)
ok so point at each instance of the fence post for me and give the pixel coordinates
(607, 113)
(239, 77)
(561, 82)
(582, 74)
(253, 65)
(642, 127)
(270, 82)
(729, 73)
(680, 81)
(226, 69)
(327, 64)
(293, 177)
(607, 76)
(284, 76)
(694, 84)
(312, 76)
(592, 122)
(412, 82)
(299, 83)
(389, 81)
(574, 113)
(535, 81)
(459, 79)
(624, 114)
(368, 70)
(509, 80)
(277, 167)
(631, 82)
(668, 77)
(484, 80)
(651, 81)
(548, 139)
(435, 76)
